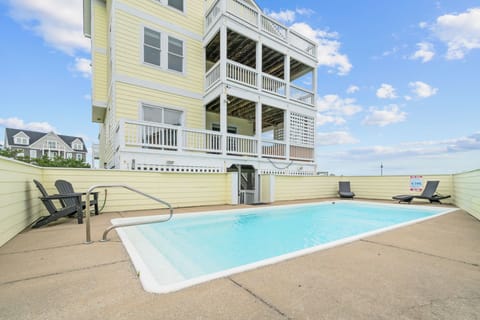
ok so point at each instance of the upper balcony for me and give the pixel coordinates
(254, 18)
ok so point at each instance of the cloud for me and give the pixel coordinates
(352, 89)
(386, 91)
(459, 32)
(285, 16)
(17, 123)
(328, 48)
(335, 138)
(58, 22)
(422, 90)
(386, 116)
(425, 52)
(289, 16)
(332, 109)
(82, 66)
(415, 149)
(422, 25)
(324, 119)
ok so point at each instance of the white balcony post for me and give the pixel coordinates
(223, 121)
(180, 142)
(258, 127)
(259, 65)
(314, 84)
(223, 53)
(121, 134)
(286, 67)
(286, 137)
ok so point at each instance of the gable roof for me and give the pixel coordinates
(35, 136)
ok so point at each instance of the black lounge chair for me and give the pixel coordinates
(344, 190)
(428, 194)
(65, 187)
(74, 209)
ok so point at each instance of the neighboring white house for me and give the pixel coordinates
(36, 144)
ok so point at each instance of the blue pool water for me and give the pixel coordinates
(193, 247)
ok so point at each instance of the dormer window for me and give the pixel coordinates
(21, 138)
(77, 145)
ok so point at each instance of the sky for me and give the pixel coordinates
(398, 81)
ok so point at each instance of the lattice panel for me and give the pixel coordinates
(302, 129)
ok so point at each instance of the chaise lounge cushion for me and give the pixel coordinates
(403, 198)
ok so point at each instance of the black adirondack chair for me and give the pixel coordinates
(65, 187)
(74, 207)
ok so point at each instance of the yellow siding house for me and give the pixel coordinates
(201, 86)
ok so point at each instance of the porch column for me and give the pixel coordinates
(258, 127)
(259, 64)
(223, 79)
(223, 121)
(286, 133)
(223, 53)
(286, 69)
(314, 84)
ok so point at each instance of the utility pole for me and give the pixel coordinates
(381, 168)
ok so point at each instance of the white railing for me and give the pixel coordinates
(300, 42)
(274, 85)
(274, 28)
(156, 136)
(241, 73)
(202, 140)
(273, 149)
(302, 95)
(242, 10)
(302, 152)
(149, 135)
(242, 145)
(212, 14)
(212, 76)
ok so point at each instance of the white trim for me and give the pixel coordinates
(157, 86)
(155, 20)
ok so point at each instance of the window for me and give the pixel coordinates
(177, 4)
(166, 53)
(69, 155)
(21, 140)
(51, 144)
(33, 154)
(151, 46)
(79, 156)
(77, 145)
(162, 115)
(175, 54)
(161, 136)
(20, 153)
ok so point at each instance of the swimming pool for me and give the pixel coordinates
(197, 247)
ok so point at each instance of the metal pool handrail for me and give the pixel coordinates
(125, 224)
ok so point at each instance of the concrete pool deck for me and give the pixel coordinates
(429, 270)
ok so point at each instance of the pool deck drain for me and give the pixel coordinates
(423, 271)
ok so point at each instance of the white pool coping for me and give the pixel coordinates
(150, 283)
